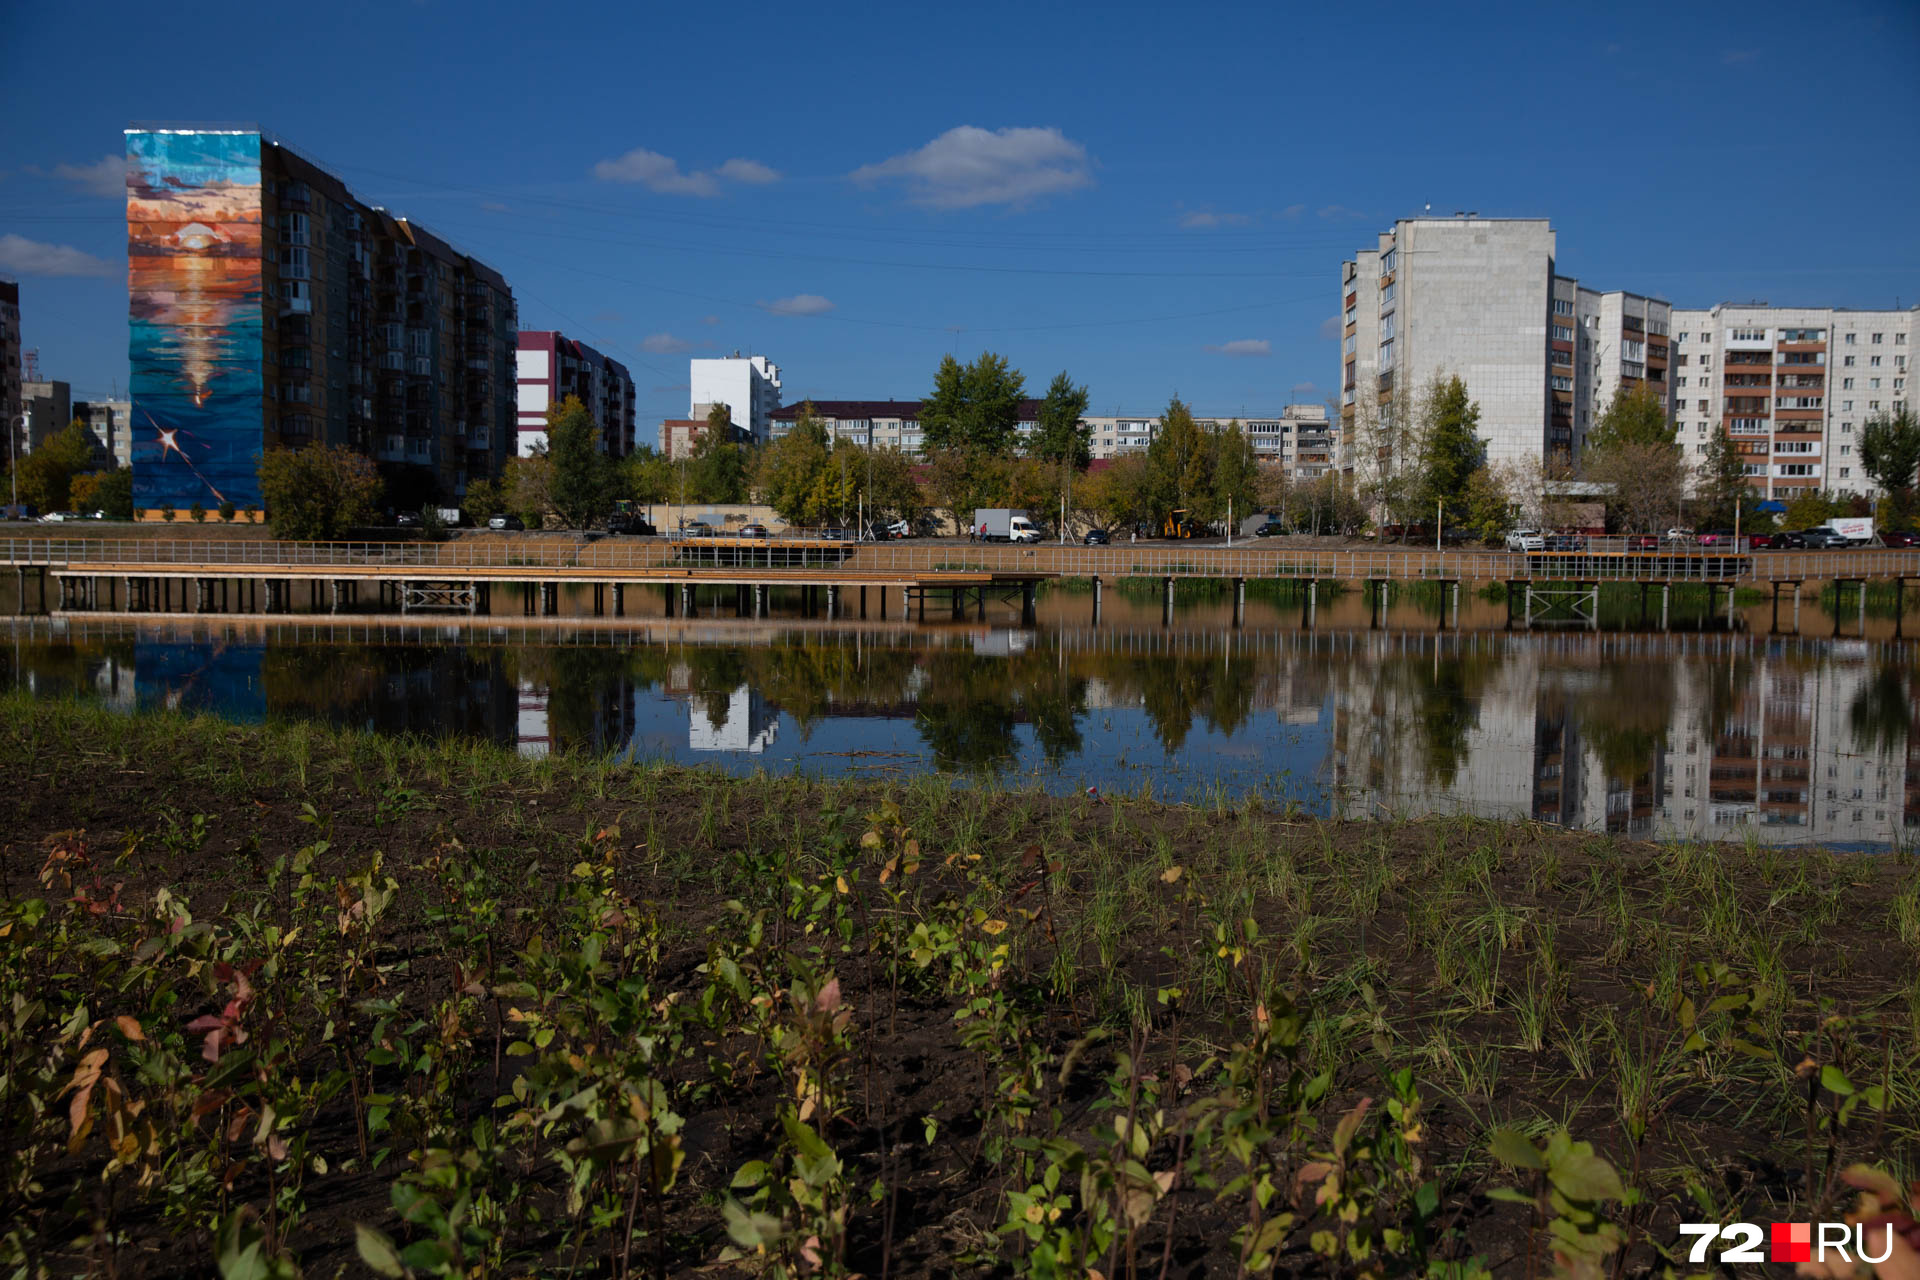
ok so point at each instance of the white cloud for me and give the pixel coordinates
(32, 258)
(1208, 219)
(1331, 328)
(800, 304)
(662, 173)
(664, 344)
(1293, 211)
(1304, 392)
(1244, 347)
(494, 206)
(967, 166)
(709, 319)
(751, 172)
(1734, 57)
(657, 173)
(105, 177)
(1333, 211)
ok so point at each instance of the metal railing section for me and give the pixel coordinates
(548, 555)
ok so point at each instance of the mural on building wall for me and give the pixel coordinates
(194, 280)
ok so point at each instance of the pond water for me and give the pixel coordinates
(1715, 733)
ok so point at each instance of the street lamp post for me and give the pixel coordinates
(20, 420)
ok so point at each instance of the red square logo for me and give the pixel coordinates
(1792, 1242)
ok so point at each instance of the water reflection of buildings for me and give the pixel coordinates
(747, 723)
(1761, 740)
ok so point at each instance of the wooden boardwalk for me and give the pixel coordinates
(459, 576)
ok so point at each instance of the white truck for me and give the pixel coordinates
(1004, 524)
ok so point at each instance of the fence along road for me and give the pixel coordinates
(537, 558)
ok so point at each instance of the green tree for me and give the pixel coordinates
(1890, 454)
(1451, 450)
(46, 475)
(1809, 509)
(526, 488)
(317, 493)
(484, 500)
(1060, 435)
(644, 476)
(797, 476)
(1721, 483)
(582, 475)
(108, 492)
(717, 471)
(1488, 510)
(885, 479)
(974, 407)
(1180, 466)
(1236, 474)
(1635, 415)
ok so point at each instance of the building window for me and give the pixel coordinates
(1845, 472)
(1562, 333)
(1388, 261)
(1877, 337)
(1873, 362)
(1561, 383)
(1386, 294)
(1852, 338)
(1561, 307)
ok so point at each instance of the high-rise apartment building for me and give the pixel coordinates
(270, 308)
(1791, 387)
(10, 363)
(107, 421)
(748, 385)
(1481, 298)
(552, 367)
(47, 406)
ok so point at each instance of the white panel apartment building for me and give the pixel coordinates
(1792, 387)
(1300, 437)
(1480, 298)
(748, 385)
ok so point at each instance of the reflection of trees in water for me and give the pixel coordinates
(1627, 715)
(1448, 693)
(1881, 714)
(391, 688)
(1174, 689)
(967, 711)
(65, 666)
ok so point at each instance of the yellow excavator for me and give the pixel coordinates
(1177, 525)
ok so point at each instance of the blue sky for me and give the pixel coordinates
(1155, 198)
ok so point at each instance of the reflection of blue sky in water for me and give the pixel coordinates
(1782, 740)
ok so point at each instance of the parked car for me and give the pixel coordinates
(1566, 542)
(1899, 538)
(505, 521)
(1271, 529)
(407, 520)
(1680, 534)
(1643, 542)
(834, 533)
(1759, 541)
(1821, 538)
(60, 517)
(1096, 538)
(1526, 540)
(1715, 538)
(753, 531)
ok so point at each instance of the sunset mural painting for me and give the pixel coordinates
(194, 280)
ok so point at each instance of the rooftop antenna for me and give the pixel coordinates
(33, 364)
